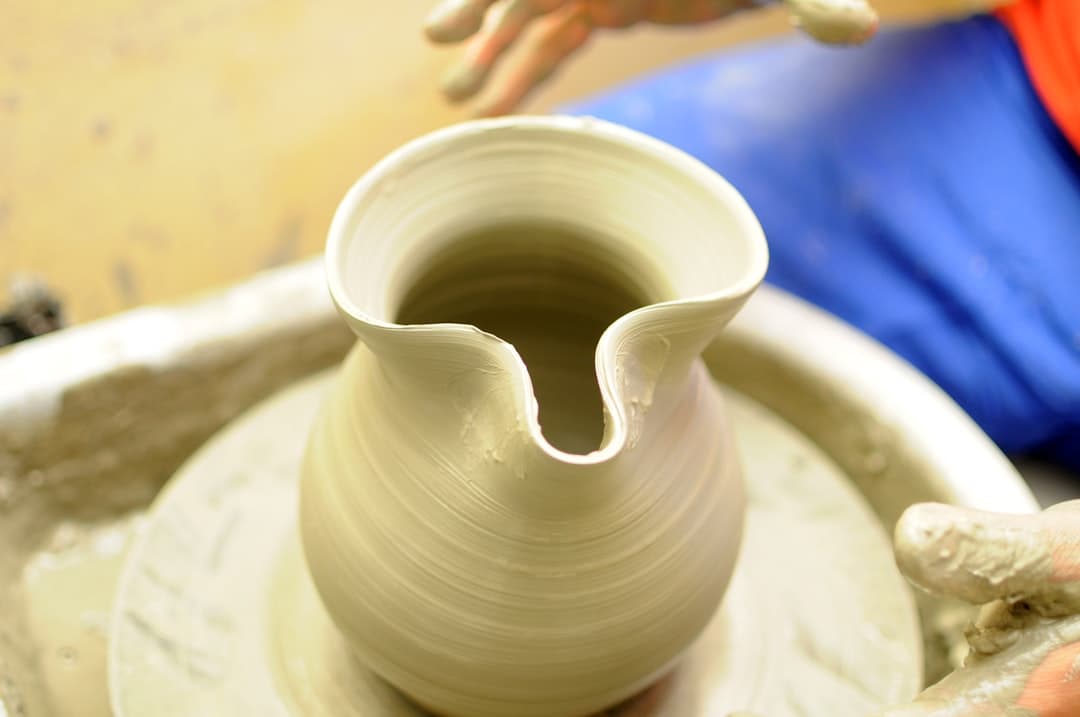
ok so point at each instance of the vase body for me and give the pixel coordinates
(522, 497)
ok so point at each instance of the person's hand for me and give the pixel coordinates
(1025, 643)
(556, 28)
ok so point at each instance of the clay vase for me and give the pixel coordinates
(521, 498)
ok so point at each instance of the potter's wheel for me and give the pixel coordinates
(215, 614)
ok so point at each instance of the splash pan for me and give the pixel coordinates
(94, 421)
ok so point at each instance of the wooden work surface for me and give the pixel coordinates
(153, 149)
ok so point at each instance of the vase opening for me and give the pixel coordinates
(548, 290)
(543, 231)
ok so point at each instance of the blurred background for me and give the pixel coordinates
(152, 149)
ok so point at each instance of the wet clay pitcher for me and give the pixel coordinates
(521, 497)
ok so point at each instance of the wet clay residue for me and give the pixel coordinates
(75, 470)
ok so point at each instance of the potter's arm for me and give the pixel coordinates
(1025, 643)
(552, 30)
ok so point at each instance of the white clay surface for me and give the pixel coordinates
(216, 617)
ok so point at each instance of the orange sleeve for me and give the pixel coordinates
(1048, 35)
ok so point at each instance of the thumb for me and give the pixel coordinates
(980, 557)
(836, 22)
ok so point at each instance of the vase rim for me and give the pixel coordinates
(436, 143)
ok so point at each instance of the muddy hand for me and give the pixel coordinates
(1025, 643)
(552, 30)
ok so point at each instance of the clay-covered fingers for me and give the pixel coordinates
(501, 24)
(1035, 675)
(1064, 520)
(836, 22)
(554, 38)
(455, 20)
(981, 557)
(1053, 688)
(1025, 571)
(953, 708)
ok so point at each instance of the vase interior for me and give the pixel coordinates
(550, 291)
